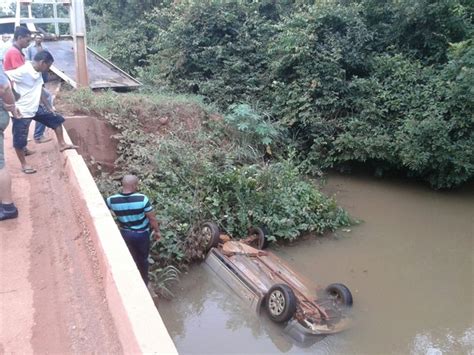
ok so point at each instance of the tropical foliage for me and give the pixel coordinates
(197, 166)
(387, 84)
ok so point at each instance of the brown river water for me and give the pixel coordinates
(409, 265)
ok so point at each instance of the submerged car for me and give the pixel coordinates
(266, 281)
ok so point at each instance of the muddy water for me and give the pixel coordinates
(409, 265)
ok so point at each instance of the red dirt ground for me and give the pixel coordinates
(51, 299)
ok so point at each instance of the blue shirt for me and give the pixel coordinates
(130, 210)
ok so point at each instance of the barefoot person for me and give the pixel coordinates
(135, 217)
(7, 103)
(33, 104)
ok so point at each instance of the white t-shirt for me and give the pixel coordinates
(28, 83)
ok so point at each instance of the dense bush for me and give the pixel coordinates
(211, 49)
(425, 130)
(387, 84)
(349, 105)
(423, 28)
(313, 58)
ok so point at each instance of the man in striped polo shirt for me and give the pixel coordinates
(135, 217)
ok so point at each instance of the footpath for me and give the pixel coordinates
(67, 281)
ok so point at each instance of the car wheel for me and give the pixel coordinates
(261, 234)
(211, 234)
(340, 294)
(281, 303)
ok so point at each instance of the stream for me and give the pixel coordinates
(409, 265)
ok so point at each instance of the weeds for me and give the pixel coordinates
(163, 278)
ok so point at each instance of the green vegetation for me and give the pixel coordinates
(387, 84)
(162, 278)
(286, 88)
(197, 166)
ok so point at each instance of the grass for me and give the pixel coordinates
(147, 102)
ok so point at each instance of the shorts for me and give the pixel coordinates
(4, 120)
(20, 132)
(20, 126)
(49, 119)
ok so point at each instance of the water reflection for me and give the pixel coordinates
(447, 343)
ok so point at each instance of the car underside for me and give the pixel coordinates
(266, 281)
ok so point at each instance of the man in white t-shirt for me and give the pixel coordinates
(33, 104)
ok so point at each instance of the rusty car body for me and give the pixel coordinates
(266, 281)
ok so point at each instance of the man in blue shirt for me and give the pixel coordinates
(136, 219)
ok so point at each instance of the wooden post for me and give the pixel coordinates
(78, 26)
(55, 15)
(17, 14)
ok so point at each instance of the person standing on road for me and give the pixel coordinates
(28, 83)
(13, 59)
(14, 56)
(33, 49)
(135, 217)
(8, 209)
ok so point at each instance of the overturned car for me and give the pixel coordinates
(266, 281)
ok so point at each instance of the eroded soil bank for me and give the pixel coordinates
(409, 265)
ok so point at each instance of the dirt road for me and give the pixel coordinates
(51, 300)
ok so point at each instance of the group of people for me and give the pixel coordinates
(24, 98)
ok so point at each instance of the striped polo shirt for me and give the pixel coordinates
(130, 210)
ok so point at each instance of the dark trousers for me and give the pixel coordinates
(20, 126)
(138, 242)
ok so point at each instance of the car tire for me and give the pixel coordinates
(340, 294)
(211, 234)
(280, 302)
(261, 233)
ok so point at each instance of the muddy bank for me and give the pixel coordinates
(95, 138)
(409, 264)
